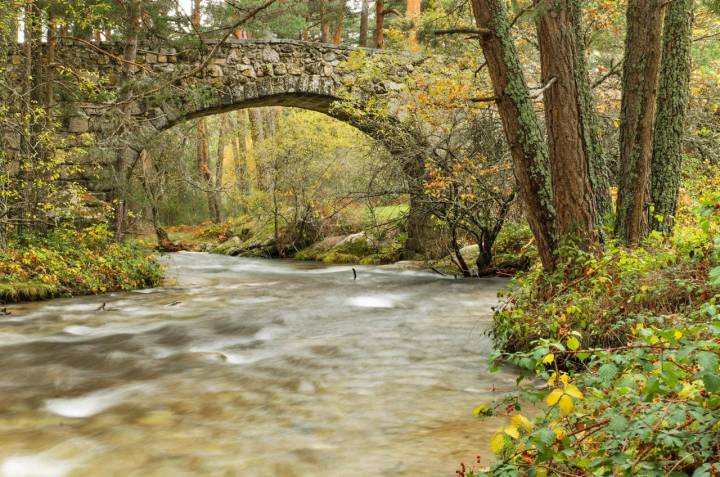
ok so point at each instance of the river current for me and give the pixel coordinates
(250, 367)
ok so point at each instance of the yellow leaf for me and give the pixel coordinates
(497, 443)
(654, 339)
(481, 410)
(559, 433)
(511, 431)
(573, 344)
(678, 334)
(553, 397)
(573, 391)
(522, 421)
(566, 405)
(549, 358)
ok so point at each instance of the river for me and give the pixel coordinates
(250, 367)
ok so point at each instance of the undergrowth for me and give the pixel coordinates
(620, 353)
(69, 262)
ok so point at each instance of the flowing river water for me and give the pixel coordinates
(249, 367)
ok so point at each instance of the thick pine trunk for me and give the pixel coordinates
(673, 96)
(520, 123)
(364, 14)
(592, 130)
(639, 95)
(573, 194)
(379, 24)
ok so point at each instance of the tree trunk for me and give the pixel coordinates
(412, 13)
(639, 96)
(338, 30)
(379, 24)
(223, 131)
(50, 62)
(672, 102)
(592, 130)
(203, 165)
(364, 13)
(195, 17)
(461, 263)
(324, 25)
(572, 189)
(125, 156)
(520, 123)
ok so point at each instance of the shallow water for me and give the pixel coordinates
(244, 367)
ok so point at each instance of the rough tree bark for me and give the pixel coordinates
(364, 14)
(574, 199)
(672, 103)
(592, 130)
(520, 123)
(639, 94)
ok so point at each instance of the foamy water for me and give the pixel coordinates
(251, 368)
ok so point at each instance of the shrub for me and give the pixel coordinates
(73, 262)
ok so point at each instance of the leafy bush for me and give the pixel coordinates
(73, 262)
(628, 347)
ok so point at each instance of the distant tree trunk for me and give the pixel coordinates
(459, 259)
(364, 13)
(520, 123)
(203, 165)
(50, 61)
(672, 103)
(324, 25)
(639, 95)
(379, 24)
(125, 156)
(573, 195)
(223, 131)
(239, 160)
(196, 12)
(412, 12)
(338, 30)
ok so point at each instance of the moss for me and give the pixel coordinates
(28, 291)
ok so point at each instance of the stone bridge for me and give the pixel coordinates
(170, 86)
(164, 86)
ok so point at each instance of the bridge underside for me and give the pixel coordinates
(312, 102)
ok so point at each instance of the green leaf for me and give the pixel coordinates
(617, 424)
(607, 372)
(712, 382)
(715, 276)
(708, 361)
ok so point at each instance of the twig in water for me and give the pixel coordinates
(354, 274)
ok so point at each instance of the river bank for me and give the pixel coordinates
(513, 250)
(72, 262)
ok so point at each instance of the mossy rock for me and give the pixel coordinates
(356, 244)
(228, 246)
